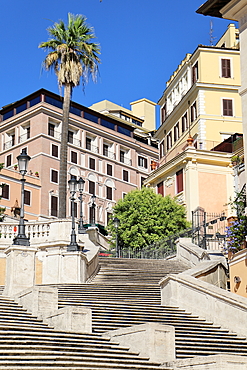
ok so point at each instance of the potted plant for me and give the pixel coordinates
(235, 160)
(36, 174)
(15, 167)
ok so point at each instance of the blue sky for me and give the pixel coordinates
(142, 42)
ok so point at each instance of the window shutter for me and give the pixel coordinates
(227, 107)
(226, 68)
(160, 188)
(54, 203)
(180, 183)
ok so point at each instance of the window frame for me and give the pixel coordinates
(53, 171)
(71, 157)
(3, 191)
(27, 194)
(92, 163)
(125, 175)
(226, 71)
(225, 109)
(53, 197)
(54, 146)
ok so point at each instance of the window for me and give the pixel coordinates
(28, 132)
(27, 197)
(176, 132)
(54, 150)
(13, 139)
(163, 113)
(108, 217)
(109, 169)
(227, 107)
(142, 162)
(162, 149)
(88, 143)
(8, 160)
(122, 154)
(142, 181)
(5, 191)
(51, 129)
(105, 150)
(91, 187)
(91, 215)
(125, 175)
(184, 122)
(180, 182)
(92, 163)
(54, 203)
(169, 141)
(195, 73)
(54, 176)
(226, 68)
(108, 192)
(193, 112)
(73, 157)
(70, 137)
(160, 188)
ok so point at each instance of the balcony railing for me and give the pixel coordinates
(93, 148)
(109, 154)
(8, 145)
(55, 134)
(23, 137)
(127, 161)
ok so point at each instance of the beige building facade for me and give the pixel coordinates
(111, 154)
(200, 116)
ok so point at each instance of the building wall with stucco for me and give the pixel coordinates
(193, 106)
(106, 151)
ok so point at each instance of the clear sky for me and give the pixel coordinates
(142, 43)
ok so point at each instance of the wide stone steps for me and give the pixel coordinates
(28, 343)
(134, 298)
(130, 270)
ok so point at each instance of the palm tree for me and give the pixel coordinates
(74, 57)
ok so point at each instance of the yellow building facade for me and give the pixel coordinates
(200, 102)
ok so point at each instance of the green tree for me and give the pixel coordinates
(74, 57)
(146, 217)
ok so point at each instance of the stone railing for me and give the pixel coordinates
(206, 300)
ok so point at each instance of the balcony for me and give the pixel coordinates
(24, 137)
(8, 145)
(127, 161)
(92, 148)
(109, 154)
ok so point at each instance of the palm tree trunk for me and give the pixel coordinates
(64, 153)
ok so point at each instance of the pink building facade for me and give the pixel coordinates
(113, 157)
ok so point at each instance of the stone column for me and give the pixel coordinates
(20, 269)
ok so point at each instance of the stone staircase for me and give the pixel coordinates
(126, 292)
(28, 343)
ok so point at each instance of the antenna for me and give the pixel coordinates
(211, 37)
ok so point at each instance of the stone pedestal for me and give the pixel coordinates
(152, 340)
(20, 269)
(61, 266)
(71, 319)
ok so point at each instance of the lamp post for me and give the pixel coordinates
(93, 198)
(21, 238)
(116, 223)
(81, 229)
(73, 246)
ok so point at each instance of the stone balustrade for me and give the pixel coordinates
(39, 232)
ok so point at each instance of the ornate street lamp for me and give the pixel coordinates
(93, 198)
(116, 223)
(81, 228)
(73, 246)
(21, 238)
